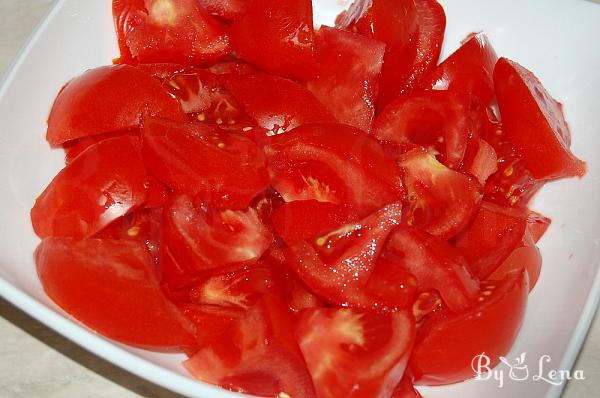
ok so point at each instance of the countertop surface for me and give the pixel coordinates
(36, 362)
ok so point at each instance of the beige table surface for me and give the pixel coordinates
(35, 362)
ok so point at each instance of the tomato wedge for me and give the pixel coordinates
(393, 22)
(435, 264)
(178, 31)
(494, 233)
(227, 9)
(333, 163)
(277, 104)
(406, 389)
(484, 162)
(538, 225)
(438, 120)
(277, 37)
(199, 237)
(102, 184)
(534, 123)
(258, 356)
(441, 201)
(338, 341)
(111, 287)
(225, 169)
(447, 343)
(105, 100)
(348, 75)
(468, 70)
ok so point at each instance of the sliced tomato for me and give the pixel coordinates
(107, 99)
(141, 225)
(225, 169)
(348, 75)
(198, 237)
(304, 219)
(178, 31)
(441, 201)
(277, 104)
(439, 120)
(512, 184)
(227, 9)
(333, 163)
(105, 182)
(277, 37)
(538, 225)
(494, 233)
(484, 162)
(534, 123)
(393, 22)
(258, 357)
(232, 67)
(211, 321)
(468, 70)
(406, 389)
(111, 287)
(336, 342)
(343, 266)
(447, 343)
(75, 147)
(435, 264)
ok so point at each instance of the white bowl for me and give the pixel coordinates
(558, 40)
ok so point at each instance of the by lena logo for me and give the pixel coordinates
(518, 370)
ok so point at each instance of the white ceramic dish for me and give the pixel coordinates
(557, 39)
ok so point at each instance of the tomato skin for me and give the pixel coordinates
(333, 163)
(468, 70)
(225, 169)
(435, 264)
(105, 100)
(441, 201)
(393, 22)
(105, 182)
(282, 29)
(492, 235)
(348, 75)
(277, 104)
(177, 31)
(447, 343)
(440, 120)
(111, 287)
(336, 342)
(534, 123)
(259, 356)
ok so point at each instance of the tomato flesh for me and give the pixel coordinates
(111, 287)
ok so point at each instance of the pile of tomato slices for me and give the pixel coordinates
(304, 213)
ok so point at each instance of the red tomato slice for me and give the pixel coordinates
(258, 357)
(512, 184)
(111, 287)
(342, 266)
(277, 104)
(106, 100)
(75, 147)
(225, 169)
(484, 162)
(304, 219)
(538, 225)
(201, 238)
(142, 226)
(211, 321)
(102, 184)
(435, 264)
(439, 120)
(468, 70)
(393, 22)
(534, 123)
(227, 9)
(337, 342)
(494, 233)
(232, 67)
(178, 31)
(348, 75)
(447, 343)
(333, 163)
(406, 389)
(277, 37)
(441, 201)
